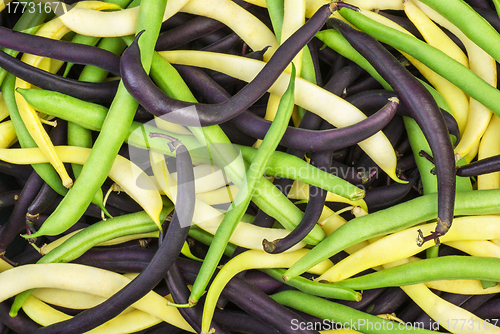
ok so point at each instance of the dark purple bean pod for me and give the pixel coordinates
(423, 109)
(342, 79)
(17, 220)
(123, 202)
(123, 260)
(479, 3)
(314, 208)
(476, 301)
(187, 32)
(141, 87)
(369, 296)
(20, 324)
(224, 45)
(100, 92)
(20, 171)
(156, 270)
(483, 166)
(352, 174)
(61, 50)
(405, 163)
(388, 302)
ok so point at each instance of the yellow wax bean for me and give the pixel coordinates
(488, 147)
(122, 172)
(307, 95)
(251, 259)
(171, 127)
(129, 322)
(472, 153)
(382, 250)
(70, 276)
(300, 190)
(208, 218)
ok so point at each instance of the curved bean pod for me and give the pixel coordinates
(424, 110)
(489, 147)
(61, 50)
(158, 103)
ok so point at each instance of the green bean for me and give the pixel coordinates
(393, 219)
(95, 234)
(112, 135)
(433, 58)
(276, 9)
(340, 315)
(289, 166)
(326, 290)
(440, 268)
(46, 171)
(470, 23)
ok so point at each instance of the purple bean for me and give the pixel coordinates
(30, 255)
(323, 140)
(61, 50)
(372, 100)
(225, 44)
(491, 16)
(187, 32)
(8, 199)
(158, 103)
(100, 92)
(121, 259)
(369, 296)
(388, 302)
(342, 79)
(406, 162)
(479, 3)
(403, 22)
(423, 109)
(123, 202)
(476, 301)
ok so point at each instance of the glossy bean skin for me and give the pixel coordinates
(423, 109)
(393, 219)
